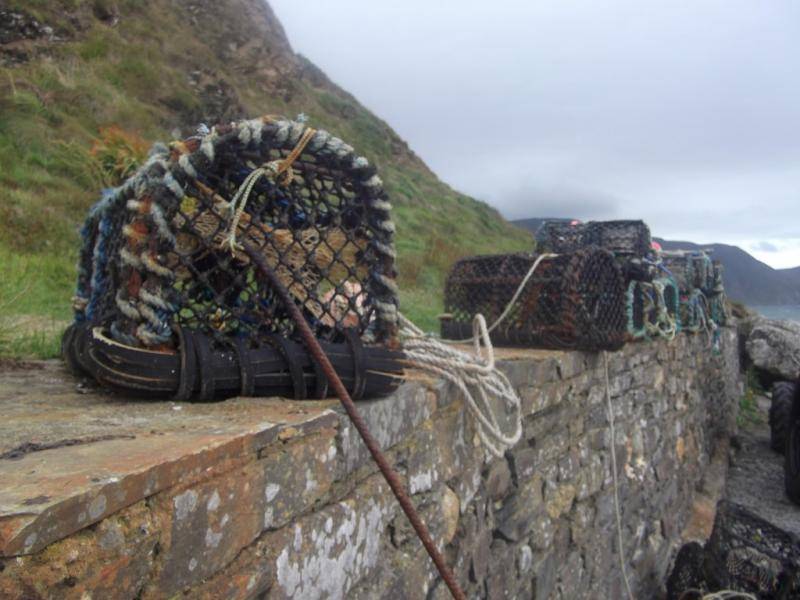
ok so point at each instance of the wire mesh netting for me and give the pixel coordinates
(165, 252)
(744, 553)
(716, 296)
(692, 270)
(572, 301)
(694, 311)
(171, 258)
(652, 297)
(717, 309)
(623, 238)
(652, 308)
(704, 272)
(718, 276)
(681, 268)
(700, 281)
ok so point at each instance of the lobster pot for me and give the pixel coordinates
(681, 268)
(571, 301)
(694, 311)
(636, 308)
(745, 553)
(202, 370)
(703, 270)
(167, 256)
(671, 297)
(742, 554)
(652, 308)
(717, 308)
(719, 270)
(623, 238)
(565, 237)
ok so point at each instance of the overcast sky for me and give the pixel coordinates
(683, 113)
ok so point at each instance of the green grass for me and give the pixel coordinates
(34, 303)
(134, 77)
(38, 344)
(748, 407)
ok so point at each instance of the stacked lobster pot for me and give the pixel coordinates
(716, 295)
(651, 294)
(700, 282)
(170, 303)
(573, 300)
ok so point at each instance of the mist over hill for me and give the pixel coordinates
(747, 279)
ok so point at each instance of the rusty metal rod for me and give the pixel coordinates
(372, 445)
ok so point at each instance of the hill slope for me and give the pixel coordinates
(747, 279)
(71, 69)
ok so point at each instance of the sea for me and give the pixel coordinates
(788, 311)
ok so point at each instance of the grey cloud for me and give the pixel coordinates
(684, 114)
(560, 202)
(764, 246)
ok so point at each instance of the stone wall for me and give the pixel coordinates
(292, 507)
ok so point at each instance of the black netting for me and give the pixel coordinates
(312, 231)
(700, 281)
(687, 579)
(744, 553)
(718, 274)
(747, 553)
(572, 300)
(163, 264)
(165, 250)
(623, 238)
(652, 308)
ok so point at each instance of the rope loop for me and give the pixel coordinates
(279, 170)
(475, 375)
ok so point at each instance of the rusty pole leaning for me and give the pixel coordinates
(372, 445)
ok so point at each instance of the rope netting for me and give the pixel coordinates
(653, 308)
(160, 251)
(702, 292)
(716, 297)
(163, 253)
(623, 238)
(571, 301)
(745, 553)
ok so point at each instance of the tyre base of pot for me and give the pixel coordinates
(202, 370)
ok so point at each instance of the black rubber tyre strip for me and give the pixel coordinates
(202, 371)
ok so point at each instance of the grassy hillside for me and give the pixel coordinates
(87, 85)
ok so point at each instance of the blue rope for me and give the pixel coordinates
(87, 265)
(100, 267)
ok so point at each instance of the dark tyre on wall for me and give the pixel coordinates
(780, 414)
(791, 463)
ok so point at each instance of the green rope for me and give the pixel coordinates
(659, 318)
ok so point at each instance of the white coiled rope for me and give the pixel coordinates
(476, 375)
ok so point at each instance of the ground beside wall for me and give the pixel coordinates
(278, 499)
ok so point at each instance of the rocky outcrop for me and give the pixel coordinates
(20, 35)
(774, 346)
